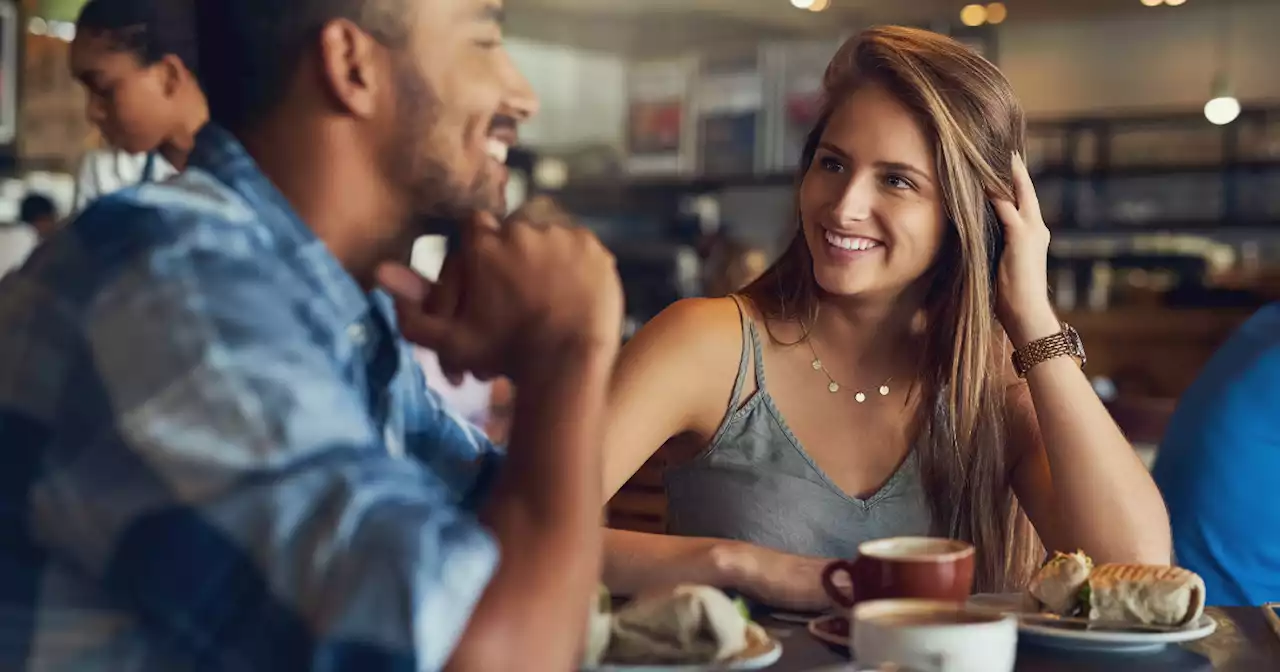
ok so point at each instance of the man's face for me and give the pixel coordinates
(459, 100)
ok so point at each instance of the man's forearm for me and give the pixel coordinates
(545, 512)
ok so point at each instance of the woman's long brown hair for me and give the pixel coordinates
(976, 124)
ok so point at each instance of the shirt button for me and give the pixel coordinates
(357, 334)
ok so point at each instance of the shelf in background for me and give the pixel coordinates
(1131, 172)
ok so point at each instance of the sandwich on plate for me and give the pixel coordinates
(1145, 594)
(1070, 585)
(1055, 589)
(686, 625)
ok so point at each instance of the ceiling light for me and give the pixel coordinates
(1152, 3)
(1174, 3)
(802, 4)
(972, 15)
(997, 13)
(819, 5)
(1223, 108)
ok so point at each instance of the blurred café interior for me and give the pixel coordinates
(672, 128)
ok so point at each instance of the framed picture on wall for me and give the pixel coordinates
(9, 38)
(729, 143)
(655, 127)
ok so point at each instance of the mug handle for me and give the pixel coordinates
(837, 595)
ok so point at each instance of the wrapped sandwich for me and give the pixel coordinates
(1056, 588)
(1148, 594)
(1070, 585)
(689, 625)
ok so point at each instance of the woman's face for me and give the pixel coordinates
(130, 103)
(870, 203)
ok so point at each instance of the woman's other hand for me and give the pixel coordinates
(1022, 290)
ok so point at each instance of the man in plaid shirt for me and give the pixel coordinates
(219, 453)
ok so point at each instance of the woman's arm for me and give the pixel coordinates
(673, 378)
(1078, 478)
(1080, 481)
(635, 561)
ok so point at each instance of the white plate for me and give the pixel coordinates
(759, 662)
(1046, 634)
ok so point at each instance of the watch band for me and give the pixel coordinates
(1065, 343)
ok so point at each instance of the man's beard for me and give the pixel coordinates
(437, 200)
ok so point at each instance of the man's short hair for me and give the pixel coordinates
(250, 49)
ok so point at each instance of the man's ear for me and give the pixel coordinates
(351, 67)
(174, 72)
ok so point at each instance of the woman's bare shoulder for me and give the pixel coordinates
(694, 326)
(673, 378)
(686, 359)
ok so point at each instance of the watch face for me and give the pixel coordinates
(1076, 343)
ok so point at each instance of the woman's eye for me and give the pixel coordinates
(831, 165)
(899, 182)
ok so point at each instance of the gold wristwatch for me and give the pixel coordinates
(1065, 343)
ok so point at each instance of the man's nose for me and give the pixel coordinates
(519, 100)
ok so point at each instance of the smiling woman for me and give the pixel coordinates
(890, 407)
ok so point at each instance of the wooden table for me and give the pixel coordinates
(1242, 643)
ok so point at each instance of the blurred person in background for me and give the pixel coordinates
(37, 220)
(732, 265)
(1218, 464)
(483, 403)
(890, 407)
(40, 213)
(137, 62)
(468, 397)
(221, 455)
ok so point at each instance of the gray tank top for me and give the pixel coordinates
(755, 483)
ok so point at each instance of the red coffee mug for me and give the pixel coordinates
(922, 567)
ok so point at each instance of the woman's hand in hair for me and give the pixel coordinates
(1022, 290)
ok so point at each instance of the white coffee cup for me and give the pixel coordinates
(933, 636)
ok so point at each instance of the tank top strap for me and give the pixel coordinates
(757, 350)
(748, 341)
(750, 344)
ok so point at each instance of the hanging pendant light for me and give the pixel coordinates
(1222, 108)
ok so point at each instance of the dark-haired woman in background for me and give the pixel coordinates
(137, 62)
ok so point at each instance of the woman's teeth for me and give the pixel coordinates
(497, 150)
(851, 242)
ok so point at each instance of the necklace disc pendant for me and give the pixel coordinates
(817, 365)
(860, 397)
(833, 387)
(884, 390)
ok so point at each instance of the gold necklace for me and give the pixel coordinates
(834, 387)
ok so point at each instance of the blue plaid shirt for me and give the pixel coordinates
(219, 453)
